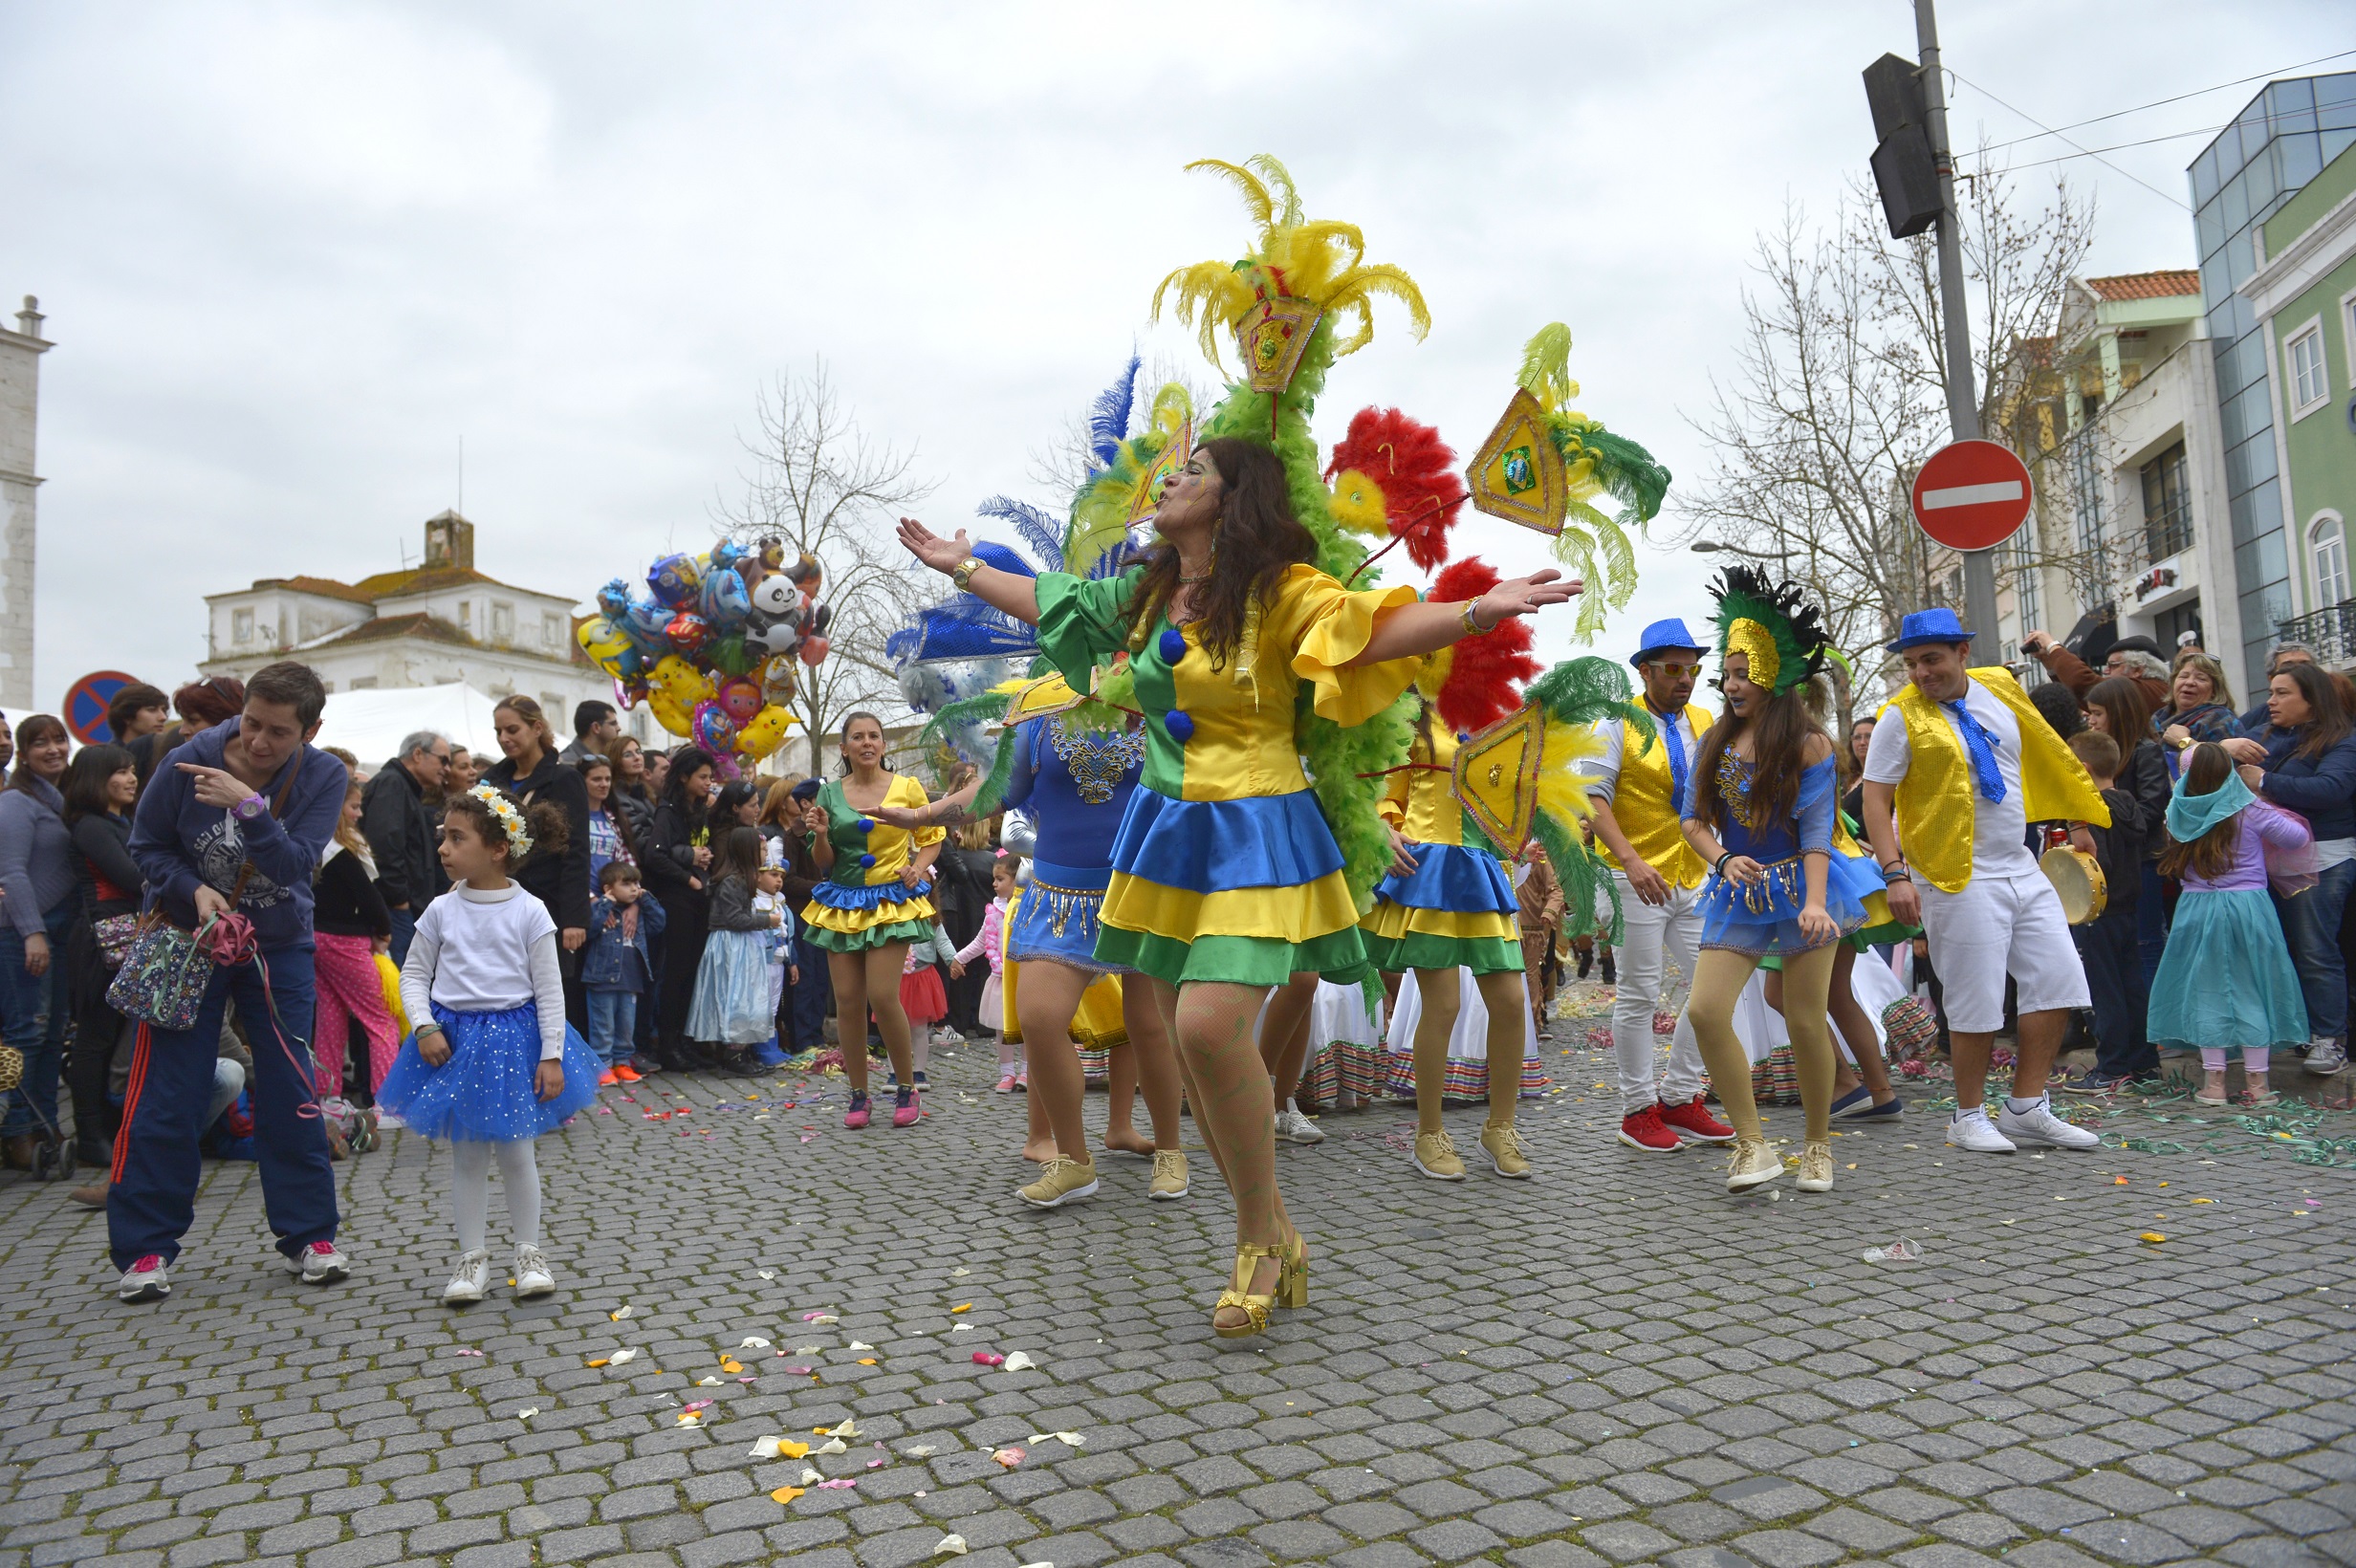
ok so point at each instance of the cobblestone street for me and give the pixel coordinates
(1615, 1364)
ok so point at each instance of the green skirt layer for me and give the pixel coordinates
(1422, 950)
(874, 936)
(1338, 956)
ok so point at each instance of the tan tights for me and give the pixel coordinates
(870, 978)
(1437, 990)
(1718, 979)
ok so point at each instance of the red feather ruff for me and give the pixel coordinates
(1422, 492)
(1481, 682)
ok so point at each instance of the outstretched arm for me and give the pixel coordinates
(1412, 630)
(1008, 591)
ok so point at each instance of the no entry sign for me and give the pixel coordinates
(1972, 494)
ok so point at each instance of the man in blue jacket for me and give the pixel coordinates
(236, 817)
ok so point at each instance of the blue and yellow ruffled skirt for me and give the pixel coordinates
(1243, 892)
(1456, 909)
(847, 918)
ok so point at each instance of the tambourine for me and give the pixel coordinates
(2078, 881)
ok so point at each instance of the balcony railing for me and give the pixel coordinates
(2331, 632)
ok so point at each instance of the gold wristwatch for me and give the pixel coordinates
(962, 574)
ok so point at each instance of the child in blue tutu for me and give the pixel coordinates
(491, 1063)
(2226, 985)
(732, 1009)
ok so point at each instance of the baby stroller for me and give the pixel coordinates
(53, 1154)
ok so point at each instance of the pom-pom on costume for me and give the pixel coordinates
(862, 904)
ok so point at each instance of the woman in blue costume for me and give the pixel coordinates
(1759, 807)
(1226, 879)
(1076, 785)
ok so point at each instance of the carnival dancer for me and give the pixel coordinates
(1758, 806)
(1636, 790)
(870, 909)
(1074, 781)
(1969, 767)
(1448, 905)
(1226, 878)
(491, 1065)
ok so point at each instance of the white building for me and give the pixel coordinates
(2130, 524)
(20, 402)
(431, 625)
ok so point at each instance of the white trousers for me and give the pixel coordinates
(1998, 926)
(1650, 932)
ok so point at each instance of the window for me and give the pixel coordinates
(502, 621)
(2168, 511)
(364, 683)
(2310, 382)
(241, 625)
(551, 631)
(552, 702)
(2327, 548)
(466, 615)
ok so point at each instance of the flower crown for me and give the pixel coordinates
(495, 800)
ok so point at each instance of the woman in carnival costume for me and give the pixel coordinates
(1227, 878)
(1759, 807)
(1448, 905)
(867, 911)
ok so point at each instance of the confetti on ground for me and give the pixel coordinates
(619, 1314)
(951, 1544)
(466, 1353)
(786, 1494)
(527, 1412)
(1019, 1362)
(1070, 1440)
(753, 1341)
(989, 1359)
(1010, 1457)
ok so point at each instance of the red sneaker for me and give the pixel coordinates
(856, 1116)
(608, 1079)
(1645, 1131)
(623, 1071)
(1694, 1124)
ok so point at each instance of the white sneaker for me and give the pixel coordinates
(1292, 1125)
(388, 1121)
(2037, 1125)
(1972, 1130)
(2326, 1059)
(531, 1274)
(148, 1280)
(320, 1264)
(470, 1279)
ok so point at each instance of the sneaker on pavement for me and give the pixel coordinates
(1005, 1084)
(1693, 1122)
(1972, 1130)
(1060, 1181)
(906, 1112)
(1647, 1131)
(147, 1280)
(533, 1276)
(2037, 1125)
(644, 1065)
(1816, 1167)
(470, 1279)
(320, 1264)
(2326, 1059)
(1435, 1156)
(2091, 1083)
(1503, 1146)
(1295, 1127)
(626, 1072)
(1169, 1175)
(856, 1114)
(1890, 1110)
(608, 1079)
(1753, 1164)
(1859, 1098)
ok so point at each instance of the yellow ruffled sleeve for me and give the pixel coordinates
(1325, 627)
(1393, 808)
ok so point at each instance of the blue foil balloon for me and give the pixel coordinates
(1179, 723)
(1173, 645)
(725, 599)
(674, 578)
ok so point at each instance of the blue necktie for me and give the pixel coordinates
(1982, 745)
(1676, 758)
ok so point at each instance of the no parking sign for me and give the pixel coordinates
(85, 705)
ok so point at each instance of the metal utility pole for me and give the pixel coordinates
(1979, 573)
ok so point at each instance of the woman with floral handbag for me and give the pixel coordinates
(101, 786)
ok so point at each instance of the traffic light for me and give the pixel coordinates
(1903, 170)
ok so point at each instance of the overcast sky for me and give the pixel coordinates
(290, 255)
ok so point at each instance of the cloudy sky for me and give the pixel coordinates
(291, 254)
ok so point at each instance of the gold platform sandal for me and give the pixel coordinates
(1238, 1293)
(1293, 1285)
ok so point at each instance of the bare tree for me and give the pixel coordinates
(825, 488)
(1837, 394)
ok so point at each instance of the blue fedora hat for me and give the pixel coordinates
(1934, 625)
(1664, 635)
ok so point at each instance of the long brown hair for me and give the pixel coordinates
(2212, 853)
(2125, 709)
(528, 710)
(31, 732)
(2326, 719)
(1778, 752)
(1256, 539)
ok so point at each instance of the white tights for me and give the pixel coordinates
(519, 1173)
(2254, 1059)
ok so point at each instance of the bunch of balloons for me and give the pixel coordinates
(713, 643)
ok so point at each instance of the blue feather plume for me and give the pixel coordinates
(1109, 417)
(1037, 529)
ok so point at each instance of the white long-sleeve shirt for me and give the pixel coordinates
(479, 950)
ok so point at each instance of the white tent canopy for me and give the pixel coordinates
(371, 724)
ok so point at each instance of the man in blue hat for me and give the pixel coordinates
(1635, 791)
(1949, 796)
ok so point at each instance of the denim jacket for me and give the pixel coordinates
(611, 963)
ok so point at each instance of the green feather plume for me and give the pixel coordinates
(1582, 873)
